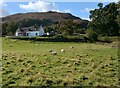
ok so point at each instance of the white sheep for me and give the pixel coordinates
(36, 44)
(62, 50)
(71, 47)
(54, 53)
(50, 50)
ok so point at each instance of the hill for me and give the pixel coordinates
(53, 16)
(42, 18)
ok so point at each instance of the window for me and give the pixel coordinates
(27, 34)
(36, 34)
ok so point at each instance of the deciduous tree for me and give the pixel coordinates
(104, 19)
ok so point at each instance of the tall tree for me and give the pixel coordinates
(4, 26)
(66, 26)
(118, 17)
(9, 28)
(104, 19)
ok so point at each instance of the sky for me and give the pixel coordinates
(79, 9)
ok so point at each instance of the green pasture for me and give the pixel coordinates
(29, 63)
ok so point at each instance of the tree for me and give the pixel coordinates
(66, 27)
(100, 5)
(118, 16)
(49, 29)
(104, 19)
(9, 28)
(92, 35)
(4, 31)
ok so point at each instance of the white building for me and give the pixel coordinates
(30, 31)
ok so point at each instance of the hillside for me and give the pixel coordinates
(46, 19)
(40, 16)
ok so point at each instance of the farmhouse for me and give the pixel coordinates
(30, 31)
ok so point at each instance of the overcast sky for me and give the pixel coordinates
(79, 9)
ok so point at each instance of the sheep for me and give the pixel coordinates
(71, 47)
(36, 44)
(50, 50)
(54, 53)
(62, 50)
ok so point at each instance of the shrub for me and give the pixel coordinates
(59, 37)
(106, 39)
(92, 35)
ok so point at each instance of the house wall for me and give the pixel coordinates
(32, 33)
(41, 31)
(20, 34)
(16, 34)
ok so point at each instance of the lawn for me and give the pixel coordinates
(29, 63)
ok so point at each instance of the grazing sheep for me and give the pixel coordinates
(50, 50)
(71, 47)
(36, 44)
(54, 53)
(62, 50)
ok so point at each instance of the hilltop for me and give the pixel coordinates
(53, 16)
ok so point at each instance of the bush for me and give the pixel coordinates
(105, 39)
(92, 35)
(59, 37)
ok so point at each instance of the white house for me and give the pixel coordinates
(30, 31)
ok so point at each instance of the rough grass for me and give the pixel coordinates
(87, 64)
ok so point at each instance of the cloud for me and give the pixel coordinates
(116, 0)
(86, 10)
(4, 13)
(39, 6)
(2, 3)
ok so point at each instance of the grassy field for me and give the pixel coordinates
(86, 64)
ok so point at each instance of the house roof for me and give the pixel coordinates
(24, 29)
